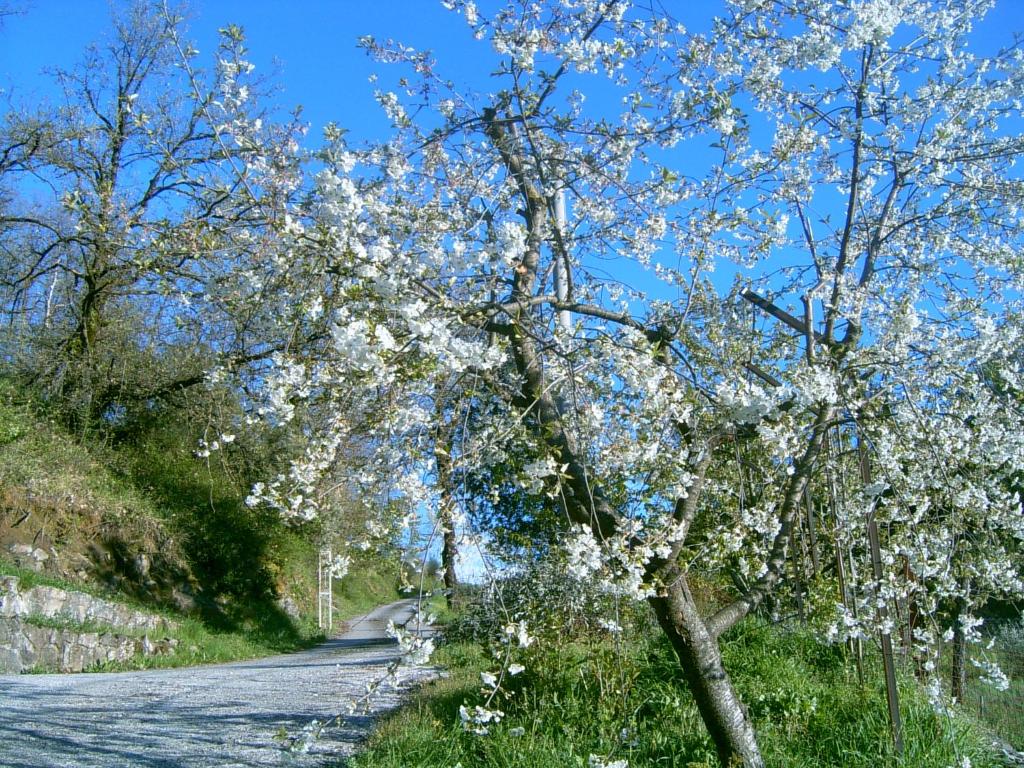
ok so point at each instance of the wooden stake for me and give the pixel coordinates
(892, 695)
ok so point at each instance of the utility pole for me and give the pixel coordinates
(563, 319)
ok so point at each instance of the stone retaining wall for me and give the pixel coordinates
(55, 603)
(23, 645)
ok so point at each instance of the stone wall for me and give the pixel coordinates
(24, 645)
(79, 607)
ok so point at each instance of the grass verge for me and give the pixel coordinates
(627, 701)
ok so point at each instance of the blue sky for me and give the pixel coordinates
(309, 48)
(314, 44)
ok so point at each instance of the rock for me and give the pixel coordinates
(11, 603)
(183, 599)
(75, 656)
(290, 608)
(25, 645)
(29, 557)
(141, 565)
(10, 660)
(1008, 755)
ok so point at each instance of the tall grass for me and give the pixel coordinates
(1002, 710)
(627, 701)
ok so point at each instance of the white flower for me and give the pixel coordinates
(340, 566)
(875, 489)
(518, 631)
(475, 720)
(584, 554)
(610, 626)
(992, 674)
(416, 651)
(536, 471)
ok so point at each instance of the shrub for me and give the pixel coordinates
(554, 604)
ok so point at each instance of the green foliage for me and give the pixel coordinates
(369, 583)
(41, 458)
(555, 604)
(627, 701)
(12, 417)
(102, 499)
(811, 710)
(243, 558)
(226, 543)
(518, 521)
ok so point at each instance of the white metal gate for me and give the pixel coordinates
(325, 595)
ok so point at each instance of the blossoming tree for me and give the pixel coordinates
(132, 204)
(553, 250)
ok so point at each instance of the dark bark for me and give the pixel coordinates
(449, 545)
(958, 672)
(701, 660)
(449, 557)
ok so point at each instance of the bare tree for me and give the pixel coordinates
(128, 213)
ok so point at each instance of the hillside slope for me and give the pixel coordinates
(138, 517)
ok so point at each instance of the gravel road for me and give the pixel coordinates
(218, 715)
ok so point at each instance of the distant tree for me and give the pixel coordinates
(130, 209)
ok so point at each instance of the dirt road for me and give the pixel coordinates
(225, 715)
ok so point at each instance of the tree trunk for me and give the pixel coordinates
(446, 518)
(958, 687)
(721, 709)
(449, 556)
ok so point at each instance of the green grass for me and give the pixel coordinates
(1001, 711)
(629, 702)
(36, 454)
(28, 578)
(366, 585)
(82, 627)
(199, 644)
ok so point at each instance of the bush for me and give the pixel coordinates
(553, 603)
